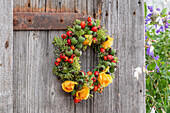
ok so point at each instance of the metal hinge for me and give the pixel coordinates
(44, 21)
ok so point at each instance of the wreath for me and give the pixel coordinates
(67, 65)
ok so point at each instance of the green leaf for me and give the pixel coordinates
(145, 6)
(151, 66)
(164, 11)
(169, 21)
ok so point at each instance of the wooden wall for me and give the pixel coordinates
(6, 56)
(29, 74)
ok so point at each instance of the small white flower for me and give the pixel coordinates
(158, 19)
(153, 110)
(137, 72)
(151, 49)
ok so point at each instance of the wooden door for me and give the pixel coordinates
(29, 59)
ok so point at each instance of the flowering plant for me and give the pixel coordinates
(157, 44)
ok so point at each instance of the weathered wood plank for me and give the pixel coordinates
(114, 89)
(6, 56)
(31, 93)
(131, 54)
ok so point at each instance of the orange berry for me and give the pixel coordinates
(100, 91)
(72, 47)
(89, 73)
(58, 59)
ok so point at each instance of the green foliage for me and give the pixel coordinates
(158, 69)
(101, 34)
(76, 64)
(97, 22)
(145, 6)
(59, 42)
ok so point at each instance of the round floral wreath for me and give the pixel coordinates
(67, 65)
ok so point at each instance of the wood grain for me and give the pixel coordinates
(6, 56)
(37, 90)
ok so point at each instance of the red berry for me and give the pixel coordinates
(99, 27)
(77, 100)
(64, 36)
(90, 23)
(89, 19)
(62, 55)
(69, 41)
(113, 61)
(94, 29)
(95, 88)
(102, 50)
(70, 60)
(58, 59)
(96, 73)
(94, 79)
(69, 33)
(83, 24)
(94, 39)
(99, 85)
(73, 55)
(57, 63)
(65, 58)
(109, 57)
(105, 57)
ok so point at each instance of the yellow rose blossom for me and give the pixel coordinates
(83, 93)
(68, 86)
(108, 43)
(88, 40)
(104, 79)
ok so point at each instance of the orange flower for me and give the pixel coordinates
(88, 40)
(108, 43)
(104, 79)
(68, 86)
(83, 93)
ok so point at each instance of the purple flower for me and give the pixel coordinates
(148, 51)
(150, 14)
(146, 66)
(157, 68)
(158, 9)
(169, 13)
(151, 54)
(150, 8)
(166, 25)
(147, 20)
(162, 28)
(146, 37)
(156, 25)
(157, 57)
(157, 31)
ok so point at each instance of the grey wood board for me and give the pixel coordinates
(6, 56)
(36, 89)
